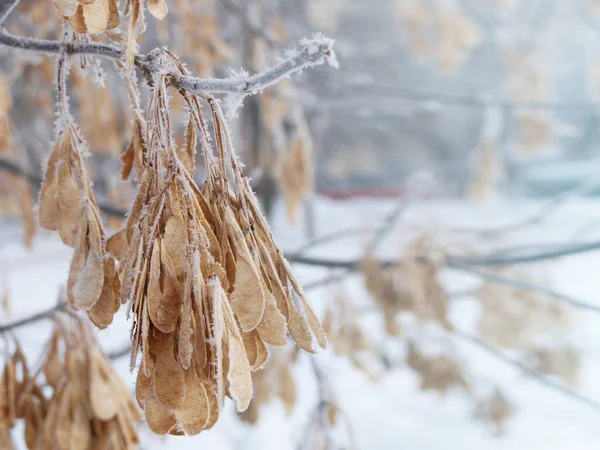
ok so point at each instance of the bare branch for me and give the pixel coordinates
(330, 237)
(527, 254)
(547, 381)
(47, 314)
(530, 287)
(120, 353)
(507, 257)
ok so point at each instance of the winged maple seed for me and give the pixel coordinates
(204, 280)
(90, 16)
(341, 323)
(411, 284)
(5, 106)
(438, 373)
(295, 170)
(67, 205)
(91, 406)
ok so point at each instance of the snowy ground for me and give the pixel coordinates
(390, 414)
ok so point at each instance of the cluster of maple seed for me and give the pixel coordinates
(198, 267)
(89, 406)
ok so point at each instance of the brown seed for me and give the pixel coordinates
(105, 400)
(48, 210)
(173, 247)
(53, 367)
(194, 414)
(238, 375)
(248, 299)
(103, 311)
(272, 328)
(69, 201)
(158, 8)
(159, 418)
(169, 379)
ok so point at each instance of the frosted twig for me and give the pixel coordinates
(314, 52)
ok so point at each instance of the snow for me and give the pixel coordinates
(392, 413)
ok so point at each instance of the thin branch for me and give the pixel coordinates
(120, 353)
(526, 286)
(47, 314)
(512, 256)
(6, 6)
(546, 381)
(47, 46)
(331, 263)
(527, 254)
(330, 237)
(314, 52)
(352, 266)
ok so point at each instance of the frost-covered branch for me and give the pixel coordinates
(314, 52)
(47, 46)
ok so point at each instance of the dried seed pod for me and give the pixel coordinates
(135, 26)
(295, 172)
(438, 373)
(97, 16)
(5, 126)
(90, 406)
(203, 278)
(158, 8)
(20, 399)
(67, 204)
